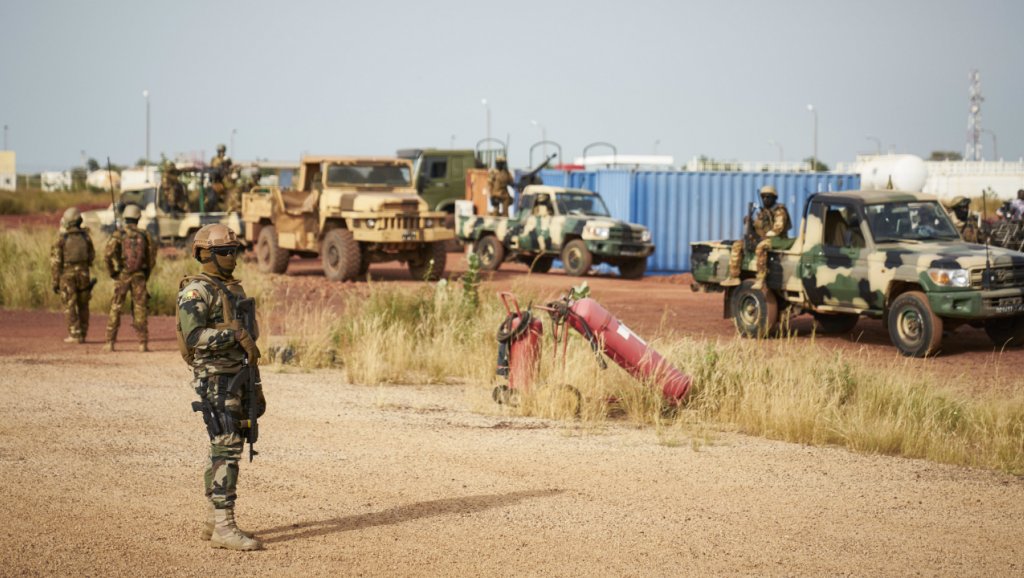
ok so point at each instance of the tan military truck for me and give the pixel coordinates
(351, 212)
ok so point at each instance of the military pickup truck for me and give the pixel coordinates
(351, 212)
(171, 225)
(888, 255)
(556, 222)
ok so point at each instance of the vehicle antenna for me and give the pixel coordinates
(110, 182)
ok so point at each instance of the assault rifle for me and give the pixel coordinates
(749, 234)
(530, 178)
(252, 399)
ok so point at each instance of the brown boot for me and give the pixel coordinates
(108, 346)
(731, 282)
(72, 339)
(227, 535)
(143, 347)
(211, 521)
(758, 284)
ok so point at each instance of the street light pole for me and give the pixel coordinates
(995, 144)
(451, 143)
(814, 157)
(5, 138)
(234, 131)
(657, 142)
(778, 145)
(145, 94)
(483, 101)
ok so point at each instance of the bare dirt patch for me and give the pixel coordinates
(101, 462)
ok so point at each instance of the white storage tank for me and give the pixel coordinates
(907, 172)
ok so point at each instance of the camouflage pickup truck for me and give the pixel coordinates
(351, 212)
(556, 222)
(889, 255)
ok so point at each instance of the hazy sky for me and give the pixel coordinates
(720, 78)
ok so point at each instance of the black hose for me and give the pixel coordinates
(508, 333)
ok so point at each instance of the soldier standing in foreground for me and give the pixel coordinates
(498, 180)
(770, 227)
(960, 213)
(70, 258)
(222, 353)
(130, 256)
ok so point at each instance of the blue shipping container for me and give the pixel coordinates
(683, 207)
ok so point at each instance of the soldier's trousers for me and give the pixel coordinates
(221, 476)
(760, 255)
(135, 284)
(75, 295)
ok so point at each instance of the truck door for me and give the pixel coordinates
(834, 268)
(437, 181)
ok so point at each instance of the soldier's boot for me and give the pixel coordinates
(227, 535)
(108, 346)
(211, 521)
(731, 282)
(758, 283)
(143, 347)
(73, 339)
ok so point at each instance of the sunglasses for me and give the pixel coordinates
(226, 251)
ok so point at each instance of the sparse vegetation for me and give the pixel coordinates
(24, 202)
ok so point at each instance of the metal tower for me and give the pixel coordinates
(973, 149)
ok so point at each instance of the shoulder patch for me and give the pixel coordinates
(191, 294)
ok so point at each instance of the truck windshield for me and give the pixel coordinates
(581, 204)
(909, 221)
(364, 175)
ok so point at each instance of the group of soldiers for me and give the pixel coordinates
(129, 256)
(226, 186)
(219, 349)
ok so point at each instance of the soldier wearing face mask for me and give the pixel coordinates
(218, 348)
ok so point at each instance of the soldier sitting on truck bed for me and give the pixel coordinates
(959, 210)
(771, 231)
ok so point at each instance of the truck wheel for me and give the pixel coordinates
(438, 252)
(576, 258)
(913, 327)
(270, 257)
(491, 253)
(633, 268)
(541, 264)
(340, 255)
(835, 323)
(755, 312)
(1005, 331)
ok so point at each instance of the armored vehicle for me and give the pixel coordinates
(351, 212)
(557, 222)
(167, 221)
(888, 255)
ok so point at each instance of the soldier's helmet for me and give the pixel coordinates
(71, 217)
(959, 200)
(500, 159)
(132, 213)
(222, 149)
(211, 236)
(768, 190)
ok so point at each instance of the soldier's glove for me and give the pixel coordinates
(249, 345)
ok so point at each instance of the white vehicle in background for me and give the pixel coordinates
(166, 223)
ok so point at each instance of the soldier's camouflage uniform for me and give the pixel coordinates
(174, 193)
(498, 181)
(71, 257)
(217, 357)
(968, 229)
(133, 282)
(771, 226)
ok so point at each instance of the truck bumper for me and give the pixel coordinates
(978, 304)
(612, 249)
(403, 235)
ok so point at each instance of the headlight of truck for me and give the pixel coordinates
(950, 277)
(596, 232)
(645, 236)
(371, 223)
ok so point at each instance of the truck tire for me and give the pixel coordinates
(438, 252)
(835, 323)
(1005, 331)
(576, 258)
(340, 255)
(913, 327)
(755, 311)
(270, 257)
(490, 251)
(633, 268)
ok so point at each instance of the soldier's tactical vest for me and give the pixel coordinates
(227, 302)
(76, 248)
(133, 251)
